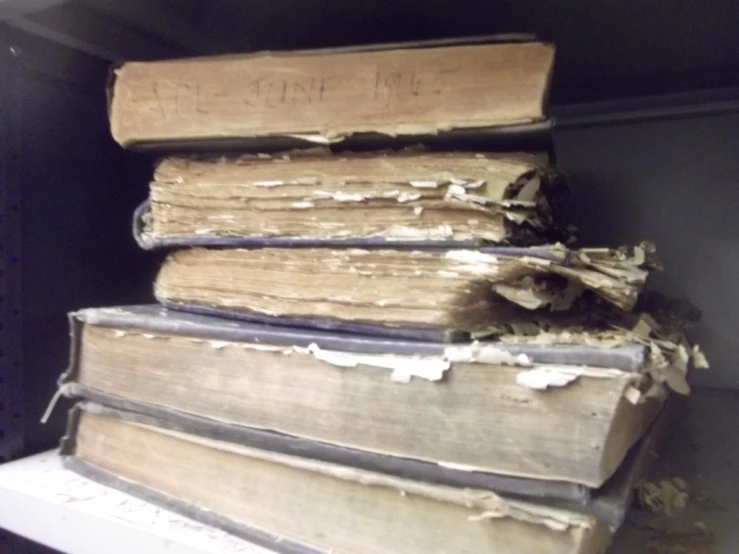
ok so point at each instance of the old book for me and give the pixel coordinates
(301, 505)
(447, 290)
(461, 413)
(398, 197)
(324, 96)
(609, 503)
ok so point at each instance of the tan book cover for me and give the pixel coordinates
(566, 412)
(296, 504)
(454, 290)
(408, 196)
(324, 95)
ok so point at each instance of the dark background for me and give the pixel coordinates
(606, 48)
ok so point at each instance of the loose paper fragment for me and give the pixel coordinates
(543, 378)
(486, 354)
(403, 367)
(457, 467)
(218, 344)
(404, 197)
(675, 378)
(424, 184)
(699, 359)
(633, 395)
(530, 299)
(645, 326)
(664, 496)
(268, 183)
(404, 374)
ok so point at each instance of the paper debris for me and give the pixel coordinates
(347, 196)
(403, 232)
(404, 197)
(303, 205)
(403, 367)
(675, 379)
(543, 378)
(425, 184)
(473, 262)
(645, 326)
(529, 298)
(492, 355)
(664, 496)
(699, 359)
(633, 395)
(404, 374)
(681, 358)
(329, 137)
(529, 190)
(486, 354)
(458, 192)
(268, 183)
(525, 328)
(418, 210)
(458, 467)
(218, 344)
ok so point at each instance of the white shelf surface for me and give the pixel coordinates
(48, 504)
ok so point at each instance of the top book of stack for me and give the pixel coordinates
(414, 91)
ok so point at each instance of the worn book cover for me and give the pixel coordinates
(297, 504)
(315, 197)
(431, 293)
(326, 96)
(566, 409)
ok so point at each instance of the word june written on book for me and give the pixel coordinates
(164, 99)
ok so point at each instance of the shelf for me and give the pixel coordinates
(51, 505)
(48, 504)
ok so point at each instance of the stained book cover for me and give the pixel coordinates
(396, 198)
(500, 413)
(418, 90)
(432, 294)
(100, 440)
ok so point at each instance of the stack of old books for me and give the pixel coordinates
(359, 350)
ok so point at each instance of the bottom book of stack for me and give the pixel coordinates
(315, 441)
(298, 504)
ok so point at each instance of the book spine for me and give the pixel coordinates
(75, 347)
(325, 97)
(273, 330)
(575, 496)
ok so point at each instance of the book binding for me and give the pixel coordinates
(609, 503)
(149, 242)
